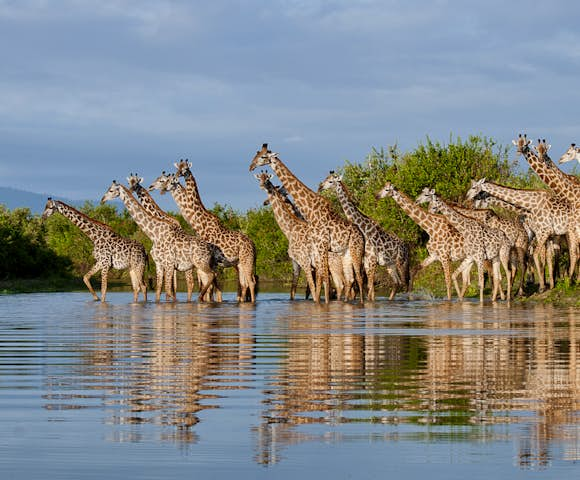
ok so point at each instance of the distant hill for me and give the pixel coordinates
(13, 198)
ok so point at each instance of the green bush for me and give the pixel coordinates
(25, 252)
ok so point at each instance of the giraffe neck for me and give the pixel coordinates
(155, 228)
(553, 177)
(192, 190)
(430, 222)
(347, 204)
(282, 212)
(527, 199)
(91, 228)
(480, 214)
(193, 210)
(151, 206)
(312, 205)
(459, 221)
(494, 201)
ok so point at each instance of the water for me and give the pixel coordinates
(286, 389)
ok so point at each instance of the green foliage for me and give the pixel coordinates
(228, 216)
(271, 245)
(448, 169)
(30, 246)
(25, 252)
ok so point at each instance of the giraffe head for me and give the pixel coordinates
(476, 187)
(429, 197)
(165, 182)
(426, 196)
(264, 179)
(522, 143)
(113, 192)
(49, 208)
(183, 167)
(387, 191)
(331, 181)
(263, 157)
(134, 181)
(542, 148)
(481, 199)
(573, 153)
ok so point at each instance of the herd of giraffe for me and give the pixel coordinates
(346, 249)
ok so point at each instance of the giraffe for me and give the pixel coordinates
(542, 149)
(573, 153)
(546, 215)
(172, 247)
(345, 238)
(514, 231)
(564, 186)
(151, 207)
(381, 247)
(481, 243)
(110, 250)
(445, 242)
(237, 247)
(485, 200)
(334, 260)
(303, 245)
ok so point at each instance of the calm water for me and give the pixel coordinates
(286, 390)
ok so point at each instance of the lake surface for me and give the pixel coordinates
(280, 389)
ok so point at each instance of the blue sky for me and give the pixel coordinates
(91, 91)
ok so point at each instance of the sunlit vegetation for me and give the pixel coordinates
(55, 253)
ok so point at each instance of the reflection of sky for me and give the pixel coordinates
(94, 90)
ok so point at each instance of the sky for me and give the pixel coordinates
(91, 91)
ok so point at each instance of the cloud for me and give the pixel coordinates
(115, 81)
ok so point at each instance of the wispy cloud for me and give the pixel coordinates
(151, 79)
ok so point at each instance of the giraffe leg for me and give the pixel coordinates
(539, 259)
(446, 264)
(370, 269)
(317, 284)
(573, 252)
(504, 259)
(142, 281)
(139, 285)
(480, 279)
(217, 289)
(295, 275)
(324, 269)
(87, 279)
(464, 266)
(496, 281)
(337, 273)
(399, 278)
(523, 265)
(247, 279)
(310, 282)
(209, 275)
(169, 274)
(174, 284)
(104, 282)
(189, 281)
(135, 284)
(159, 276)
(466, 280)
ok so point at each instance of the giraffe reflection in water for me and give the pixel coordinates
(465, 369)
(159, 368)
